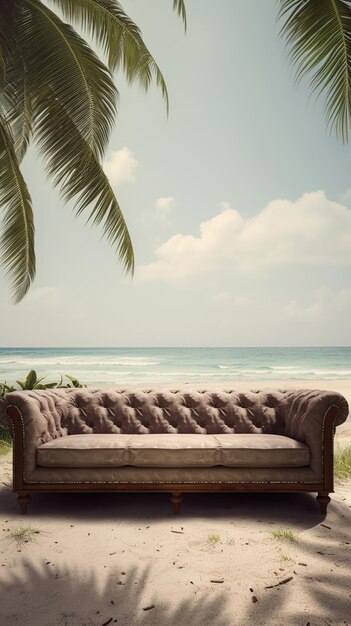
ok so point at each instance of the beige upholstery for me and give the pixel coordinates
(195, 475)
(50, 416)
(176, 450)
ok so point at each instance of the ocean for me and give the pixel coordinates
(148, 367)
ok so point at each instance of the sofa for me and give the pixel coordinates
(173, 440)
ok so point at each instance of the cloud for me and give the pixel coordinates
(163, 210)
(164, 204)
(311, 231)
(120, 166)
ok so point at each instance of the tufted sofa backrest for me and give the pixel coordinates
(134, 411)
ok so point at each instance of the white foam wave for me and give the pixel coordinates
(80, 362)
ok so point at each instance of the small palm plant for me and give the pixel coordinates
(32, 381)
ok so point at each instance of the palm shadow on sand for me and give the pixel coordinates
(44, 595)
(40, 594)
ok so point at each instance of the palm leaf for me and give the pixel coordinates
(318, 34)
(9, 13)
(14, 95)
(179, 6)
(57, 56)
(118, 36)
(21, 120)
(8, 17)
(2, 63)
(31, 379)
(18, 104)
(17, 241)
(73, 166)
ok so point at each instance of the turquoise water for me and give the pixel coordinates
(152, 366)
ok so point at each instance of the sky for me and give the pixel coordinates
(238, 203)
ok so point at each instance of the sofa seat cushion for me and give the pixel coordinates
(173, 450)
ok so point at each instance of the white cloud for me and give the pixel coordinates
(311, 231)
(224, 205)
(165, 203)
(163, 210)
(120, 166)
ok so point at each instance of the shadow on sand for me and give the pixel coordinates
(45, 596)
(294, 508)
(42, 594)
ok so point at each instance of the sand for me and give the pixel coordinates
(100, 559)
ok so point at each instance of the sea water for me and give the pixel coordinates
(151, 366)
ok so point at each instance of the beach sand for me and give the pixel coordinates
(100, 559)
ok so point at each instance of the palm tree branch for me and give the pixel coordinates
(15, 96)
(318, 34)
(119, 37)
(74, 167)
(64, 60)
(20, 112)
(17, 240)
(179, 6)
(24, 121)
(8, 16)
(2, 63)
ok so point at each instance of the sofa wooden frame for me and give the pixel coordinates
(323, 489)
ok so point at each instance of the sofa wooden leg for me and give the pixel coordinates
(323, 501)
(176, 499)
(23, 500)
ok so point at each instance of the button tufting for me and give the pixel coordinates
(132, 412)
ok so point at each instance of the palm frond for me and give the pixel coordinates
(17, 102)
(21, 119)
(179, 6)
(17, 241)
(119, 37)
(14, 94)
(73, 166)
(57, 56)
(2, 63)
(8, 16)
(318, 34)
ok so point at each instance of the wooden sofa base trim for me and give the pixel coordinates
(28, 483)
(259, 485)
(323, 498)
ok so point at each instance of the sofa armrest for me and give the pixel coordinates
(34, 420)
(306, 409)
(310, 416)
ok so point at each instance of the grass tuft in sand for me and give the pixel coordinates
(213, 538)
(284, 534)
(24, 534)
(342, 462)
(5, 447)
